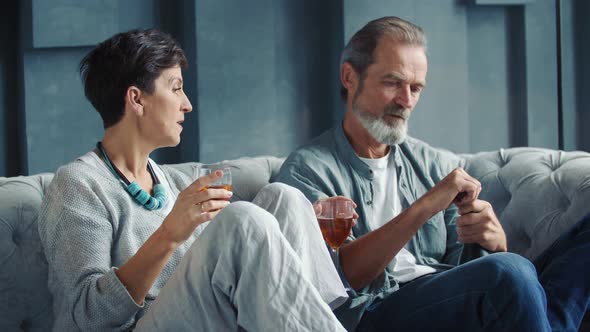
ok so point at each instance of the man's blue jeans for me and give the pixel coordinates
(498, 292)
(564, 272)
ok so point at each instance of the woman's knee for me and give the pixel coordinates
(285, 191)
(241, 223)
(286, 203)
(245, 216)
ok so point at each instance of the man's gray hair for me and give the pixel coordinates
(359, 50)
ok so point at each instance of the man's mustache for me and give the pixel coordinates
(397, 110)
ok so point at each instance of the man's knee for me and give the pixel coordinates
(509, 265)
(583, 225)
(513, 274)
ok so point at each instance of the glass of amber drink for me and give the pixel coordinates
(224, 182)
(335, 219)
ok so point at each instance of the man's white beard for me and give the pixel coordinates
(381, 130)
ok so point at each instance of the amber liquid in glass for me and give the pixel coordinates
(227, 187)
(335, 230)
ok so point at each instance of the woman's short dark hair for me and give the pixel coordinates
(133, 58)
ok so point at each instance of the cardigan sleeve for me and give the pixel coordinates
(77, 237)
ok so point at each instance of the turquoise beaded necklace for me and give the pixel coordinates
(140, 195)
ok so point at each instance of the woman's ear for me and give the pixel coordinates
(133, 100)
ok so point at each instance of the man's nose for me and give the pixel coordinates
(404, 97)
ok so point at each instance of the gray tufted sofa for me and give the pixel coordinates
(536, 193)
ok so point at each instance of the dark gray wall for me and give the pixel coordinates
(263, 75)
(60, 124)
(256, 71)
(574, 73)
(582, 72)
(9, 116)
(492, 78)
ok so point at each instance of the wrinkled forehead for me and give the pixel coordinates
(400, 59)
(389, 48)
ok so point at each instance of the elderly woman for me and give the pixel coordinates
(121, 233)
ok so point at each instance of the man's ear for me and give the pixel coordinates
(349, 78)
(133, 100)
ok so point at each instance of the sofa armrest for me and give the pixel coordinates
(25, 298)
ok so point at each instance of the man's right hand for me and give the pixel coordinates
(457, 187)
(193, 207)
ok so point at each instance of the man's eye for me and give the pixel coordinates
(176, 89)
(416, 89)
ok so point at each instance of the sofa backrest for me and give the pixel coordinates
(536, 193)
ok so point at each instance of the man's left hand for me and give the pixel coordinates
(478, 224)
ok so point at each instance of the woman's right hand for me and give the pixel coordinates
(194, 206)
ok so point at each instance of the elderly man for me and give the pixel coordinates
(405, 262)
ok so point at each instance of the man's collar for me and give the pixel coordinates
(346, 150)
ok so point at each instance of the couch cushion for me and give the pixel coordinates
(25, 298)
(537, 193)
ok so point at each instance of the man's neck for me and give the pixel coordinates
(361, 140)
